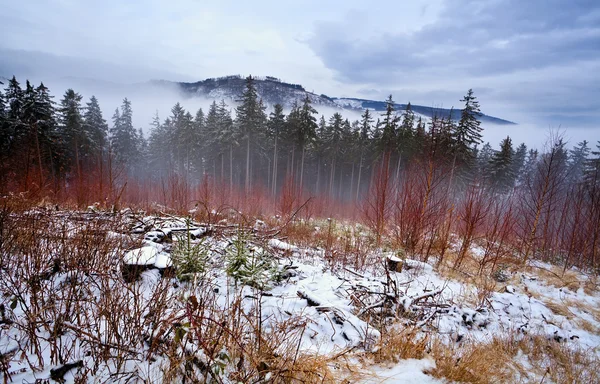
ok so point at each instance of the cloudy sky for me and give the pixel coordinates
(534, 62)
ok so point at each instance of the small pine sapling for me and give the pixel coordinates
(190, 259)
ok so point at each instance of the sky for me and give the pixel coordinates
(536, 62)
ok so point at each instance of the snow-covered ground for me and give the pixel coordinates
(334, 308)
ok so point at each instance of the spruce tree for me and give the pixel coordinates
(483, 160)
(406, 132)
(123, 137)
(592, 169)
(576, 163)
(16, 129)
(307, 129)
(467, 133)
(390, 122)
(501, 173)
(159, 159)
(95, 126)
(274, 127)
(76, 142)
(199, 138)
(250, 120)
(519, 161)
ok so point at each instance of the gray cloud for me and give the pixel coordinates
(471, 38)
(534, 62)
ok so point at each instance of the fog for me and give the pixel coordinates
(148, 98)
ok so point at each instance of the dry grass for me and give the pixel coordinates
(498, 362)
(474, 363)
(560, 309)
(555, 276)
(588, 326)
(401, 344)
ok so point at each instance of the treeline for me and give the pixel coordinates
(417, 180)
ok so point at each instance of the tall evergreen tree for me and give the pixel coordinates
(519, 161)
(592, 169)
(501, 174)
(123, 137)
(577, 158)
(250, 120)
(390, 122)
(307, 129)
(76, 142)
(274, 127)
(406, 132)
(483, 160)
(467, 133)
(95, 127)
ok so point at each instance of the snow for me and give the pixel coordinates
(141, 256)
(323, 297)
(278, 244)
(407, 371)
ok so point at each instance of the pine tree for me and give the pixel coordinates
(123, 137)
(366, 125)
(406, 132)
(250, 120)
(519, 161)
(307, 131)
(501, 174)
(333, 143)
(592, 169)
(390, 122)
(159, 159)
(16, 130)
(274, 127)
(76, 142)
(199, 138)
(177, 137)
(4, 134)
(576, 163)
(95, 126)
(483, 160)
(467, 133)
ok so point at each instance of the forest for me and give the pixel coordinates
(416, 181)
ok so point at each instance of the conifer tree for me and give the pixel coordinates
(467, 133)
(199, 142)
(390, 122)
(483, 160)
(16, 129)
(76, 142)
(274, 127)
(592, 169)
(307, 129)
(406, 132)
(123, 137)
(519, 161)
(501, 167)
(576, 163)
(159, 160)
(250, 121)
(95, 126)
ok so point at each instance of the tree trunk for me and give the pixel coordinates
(274, 183)
(359, 174)
(302, 170)
(248, 164)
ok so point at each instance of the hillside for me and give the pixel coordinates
(274, 91)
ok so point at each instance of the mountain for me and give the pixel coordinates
(273, 91)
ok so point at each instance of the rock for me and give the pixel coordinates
(394, 264)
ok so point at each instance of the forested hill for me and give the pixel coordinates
(274, 91)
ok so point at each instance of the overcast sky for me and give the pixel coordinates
(534, 61)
